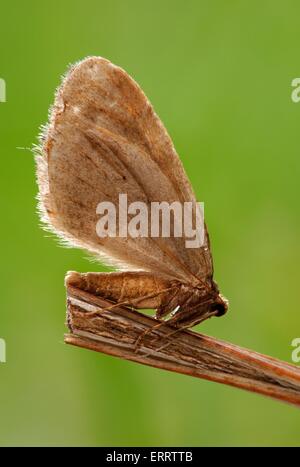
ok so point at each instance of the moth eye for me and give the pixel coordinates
(220, 306)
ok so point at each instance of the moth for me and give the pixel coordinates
(103, 139)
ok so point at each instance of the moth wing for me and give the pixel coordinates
(104, 139)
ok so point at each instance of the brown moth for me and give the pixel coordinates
(103, 139)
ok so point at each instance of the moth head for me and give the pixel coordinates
(220, 305)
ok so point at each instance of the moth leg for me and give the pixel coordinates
(142, 336)
(180, 329)
(168, 303)
(141, 290)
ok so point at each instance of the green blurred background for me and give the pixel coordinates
(219, 76)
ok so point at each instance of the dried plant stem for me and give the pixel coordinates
(116, 331)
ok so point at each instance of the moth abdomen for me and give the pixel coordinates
(133, 288)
